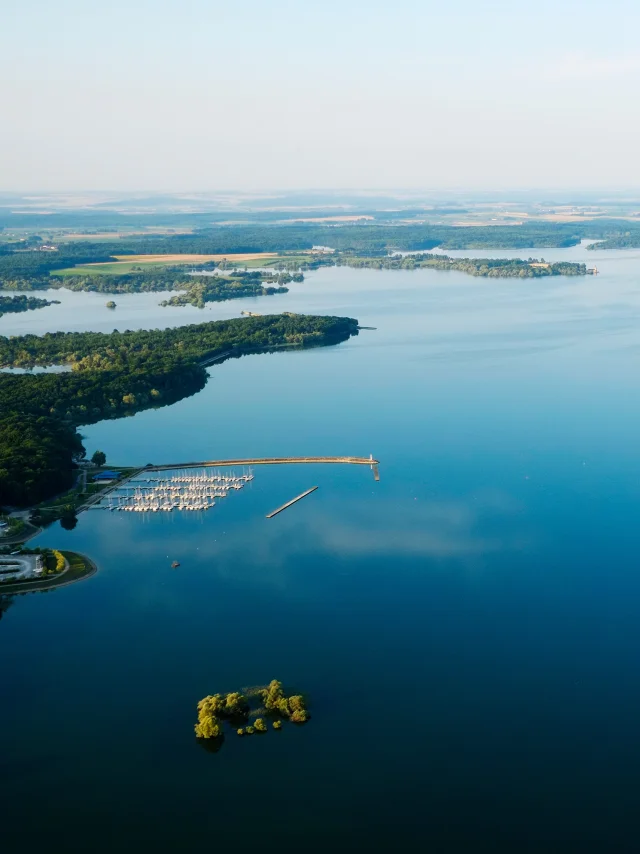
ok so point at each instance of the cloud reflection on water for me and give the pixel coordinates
(274, 553)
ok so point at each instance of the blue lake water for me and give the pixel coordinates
(466, 629)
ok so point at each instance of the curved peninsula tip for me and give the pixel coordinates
(27, 570)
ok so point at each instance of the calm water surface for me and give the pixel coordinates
(467, 629)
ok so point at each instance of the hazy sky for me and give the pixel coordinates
(254, 94)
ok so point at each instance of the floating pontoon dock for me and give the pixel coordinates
(289, 503)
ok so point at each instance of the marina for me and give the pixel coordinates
(111, 497)
(182, 491)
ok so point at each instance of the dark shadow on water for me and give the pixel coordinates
(211, 745)
(5, 603)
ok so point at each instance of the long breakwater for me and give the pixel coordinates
(267, 461)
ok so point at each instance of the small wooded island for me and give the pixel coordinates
(15, 304)
(236, 708)
(115, 374)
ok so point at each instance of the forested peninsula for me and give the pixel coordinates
(630, 240)
(116, 374)
(15, 304)
(194, 290)
(497, 268)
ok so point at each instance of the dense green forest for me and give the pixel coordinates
(351, 238)
(115, 374)
(32, 263)
(160, 347)
(12, 305)
(630, 240)
(36, 452)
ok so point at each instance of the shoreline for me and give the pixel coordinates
(61, 580)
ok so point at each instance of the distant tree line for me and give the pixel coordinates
(30, 269)
(365, 238)
(32, 263)
(370, 237)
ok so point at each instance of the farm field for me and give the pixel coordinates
(125, 263)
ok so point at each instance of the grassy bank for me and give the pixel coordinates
(69, 503)
(80, 567)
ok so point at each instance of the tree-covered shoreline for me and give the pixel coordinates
(193, 289)
(114, 375)
(20, 303)
(630, 240)
(234, 283)
(497, 268)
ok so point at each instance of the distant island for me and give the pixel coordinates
(15, 304)
(115, 374)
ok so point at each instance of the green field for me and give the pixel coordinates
(119, 268)
(270, 262)
(258, 262)
(115, 268)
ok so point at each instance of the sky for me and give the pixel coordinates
(203, 95)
